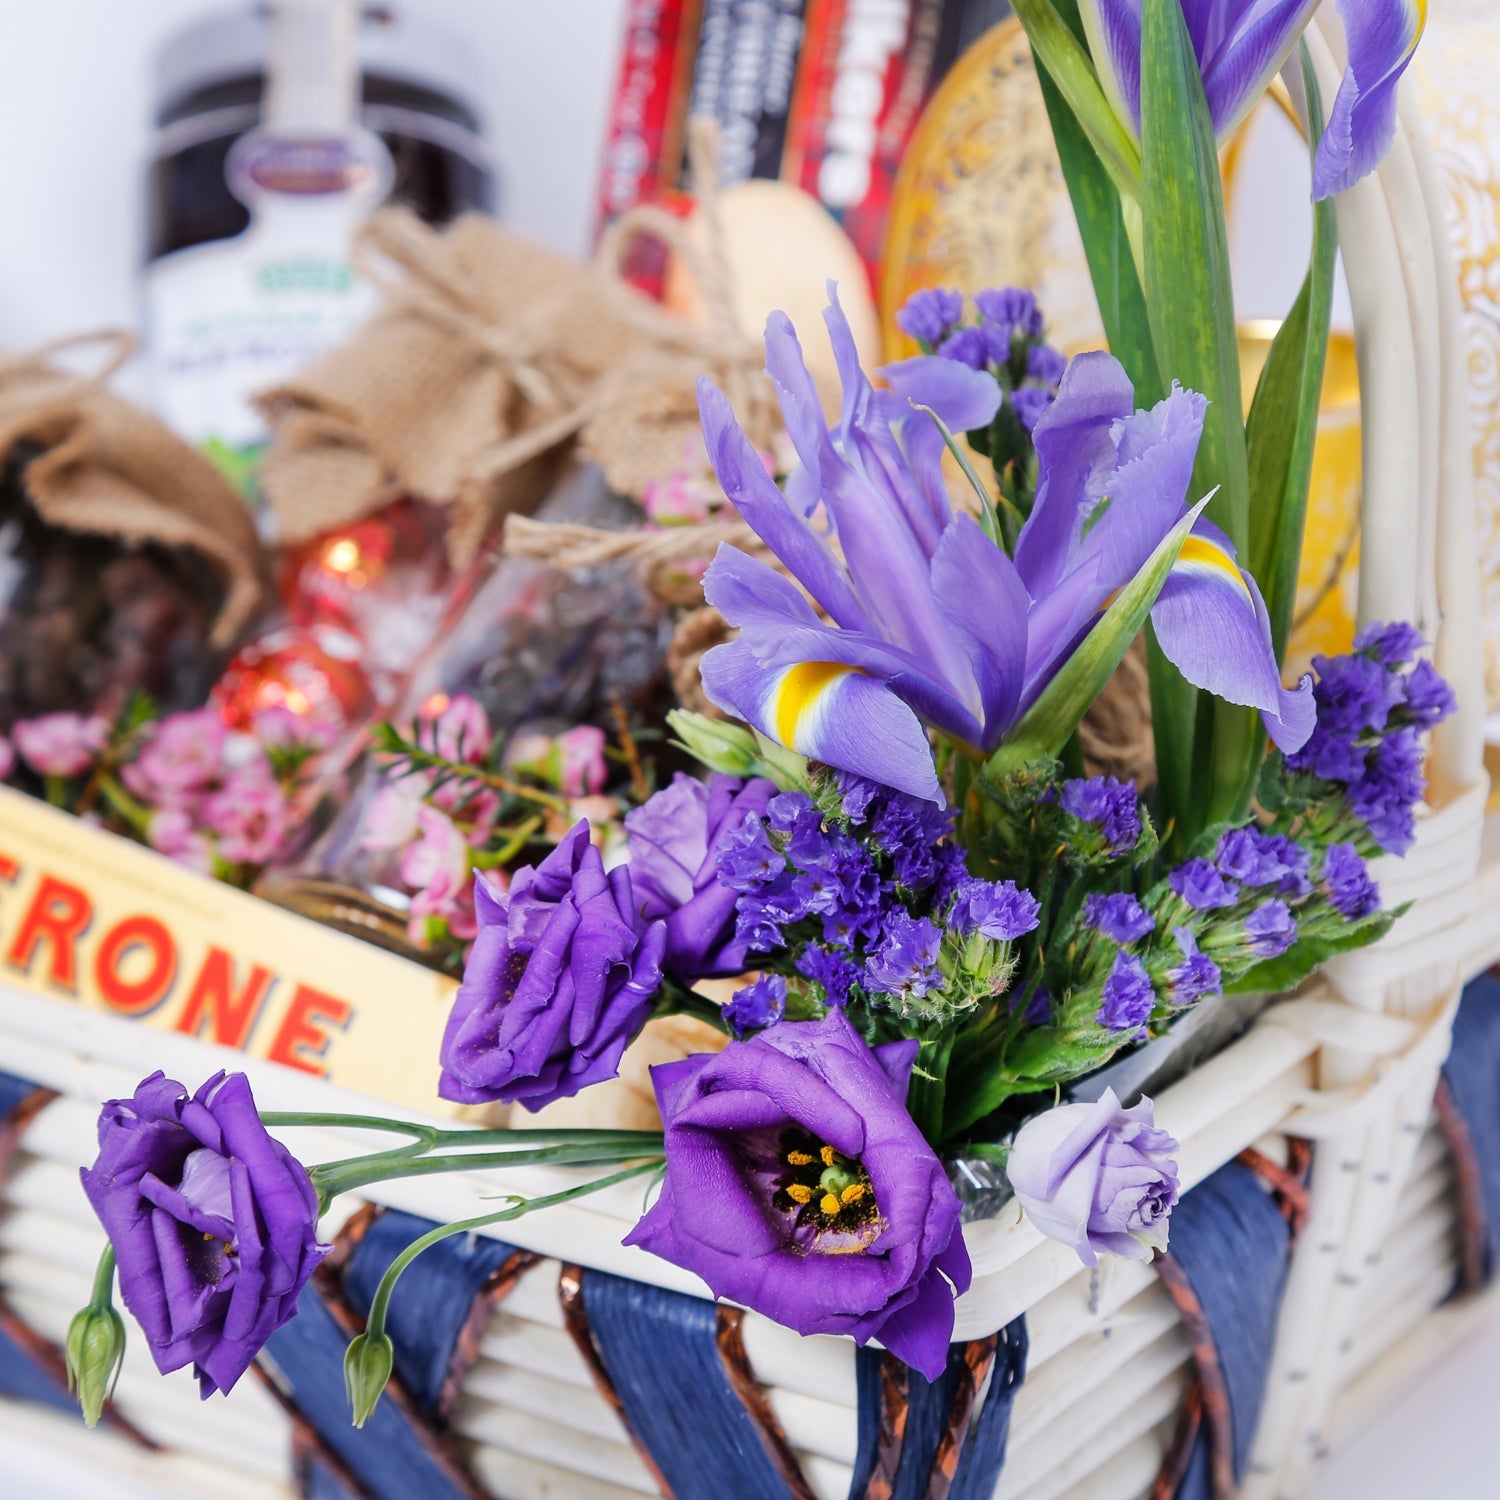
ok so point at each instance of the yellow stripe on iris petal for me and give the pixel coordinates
(1199, 551)
(798, 693)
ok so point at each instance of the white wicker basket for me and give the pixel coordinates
(1350, 1062)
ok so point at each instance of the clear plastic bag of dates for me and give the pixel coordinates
(540, 707)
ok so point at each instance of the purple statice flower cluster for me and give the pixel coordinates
(871, 894)
(1373, 705)
(1110, 807)
(1129, 995)
(1007, 340)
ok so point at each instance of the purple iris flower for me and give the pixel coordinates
(1242, 44)
(558, 982)
(798, 1185)
(674, 838)
(213, 1222)
(932, 624)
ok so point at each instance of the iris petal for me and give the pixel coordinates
(1113, 28)
(1382, 36)
(827, 712)
(1212, 625)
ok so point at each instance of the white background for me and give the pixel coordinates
(74, 139)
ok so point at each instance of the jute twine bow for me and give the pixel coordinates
(41, 361)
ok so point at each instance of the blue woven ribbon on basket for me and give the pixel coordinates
(447, 1295)
(1230, 1252)
(1468, 1110)
(674, 1366)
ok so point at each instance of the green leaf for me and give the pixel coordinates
(1046, 726)
(988, 521)
(1096, 206)
(1275, 976)
(1284, 417)
(1190, 298)
(1066, 58)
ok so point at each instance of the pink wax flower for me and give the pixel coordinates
(438, 862)
(460, 732)
(7, 757)
(172, 832)
(681, 499)
(63, 744)
(184, 754)
(583, 769)
(391, 818)
(248, 815)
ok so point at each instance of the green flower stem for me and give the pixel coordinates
(375, 1323)
(137, 814)
(104, 1281)
(418, 759)
(333, 1178)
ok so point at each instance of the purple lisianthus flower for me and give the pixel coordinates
(1263, 859)
(798, 1185)
(674, 871)
(1097, 1177)
(1346, 878)
(905, 963)
(559, 981)
(1119, 916)
(1201, 885)
(214, 1223)
(1271, 929)
(836, 974)
(1128, 995)
(930, 313)
(757, 1005)
(1014, 306)
(1197, 975)
(999, 910)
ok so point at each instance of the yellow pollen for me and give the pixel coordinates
(1198, 549)
(853, 1193)
(799, 1158)
(829, 1205)
(802, 686)
(828, 1154)
(799, 1192)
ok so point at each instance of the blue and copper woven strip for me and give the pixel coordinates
(1468, 1110)
(447, 1295)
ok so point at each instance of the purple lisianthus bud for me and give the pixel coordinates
(1011, 304)
(1429, 698)
(1119, 916)
(1392, 645)
(214, 1223)
(1110, 805)
(1271, 929)
(1128, 995)
(905, 963)
(559, 981)
(1031, 403)
(1096, 1177)
(674, 869)
(757, 1006)
(968, 346)
(930, 313)
(798, 1185)
(1346, 878)
(1201, 886)
(1197, 975)
(834, 973)
(999, 910)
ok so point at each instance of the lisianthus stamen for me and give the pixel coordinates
(799, 1192)
(800, 1158)
(829, 1155)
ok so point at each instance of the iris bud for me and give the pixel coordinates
(367, 1368)
(95, 1352)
